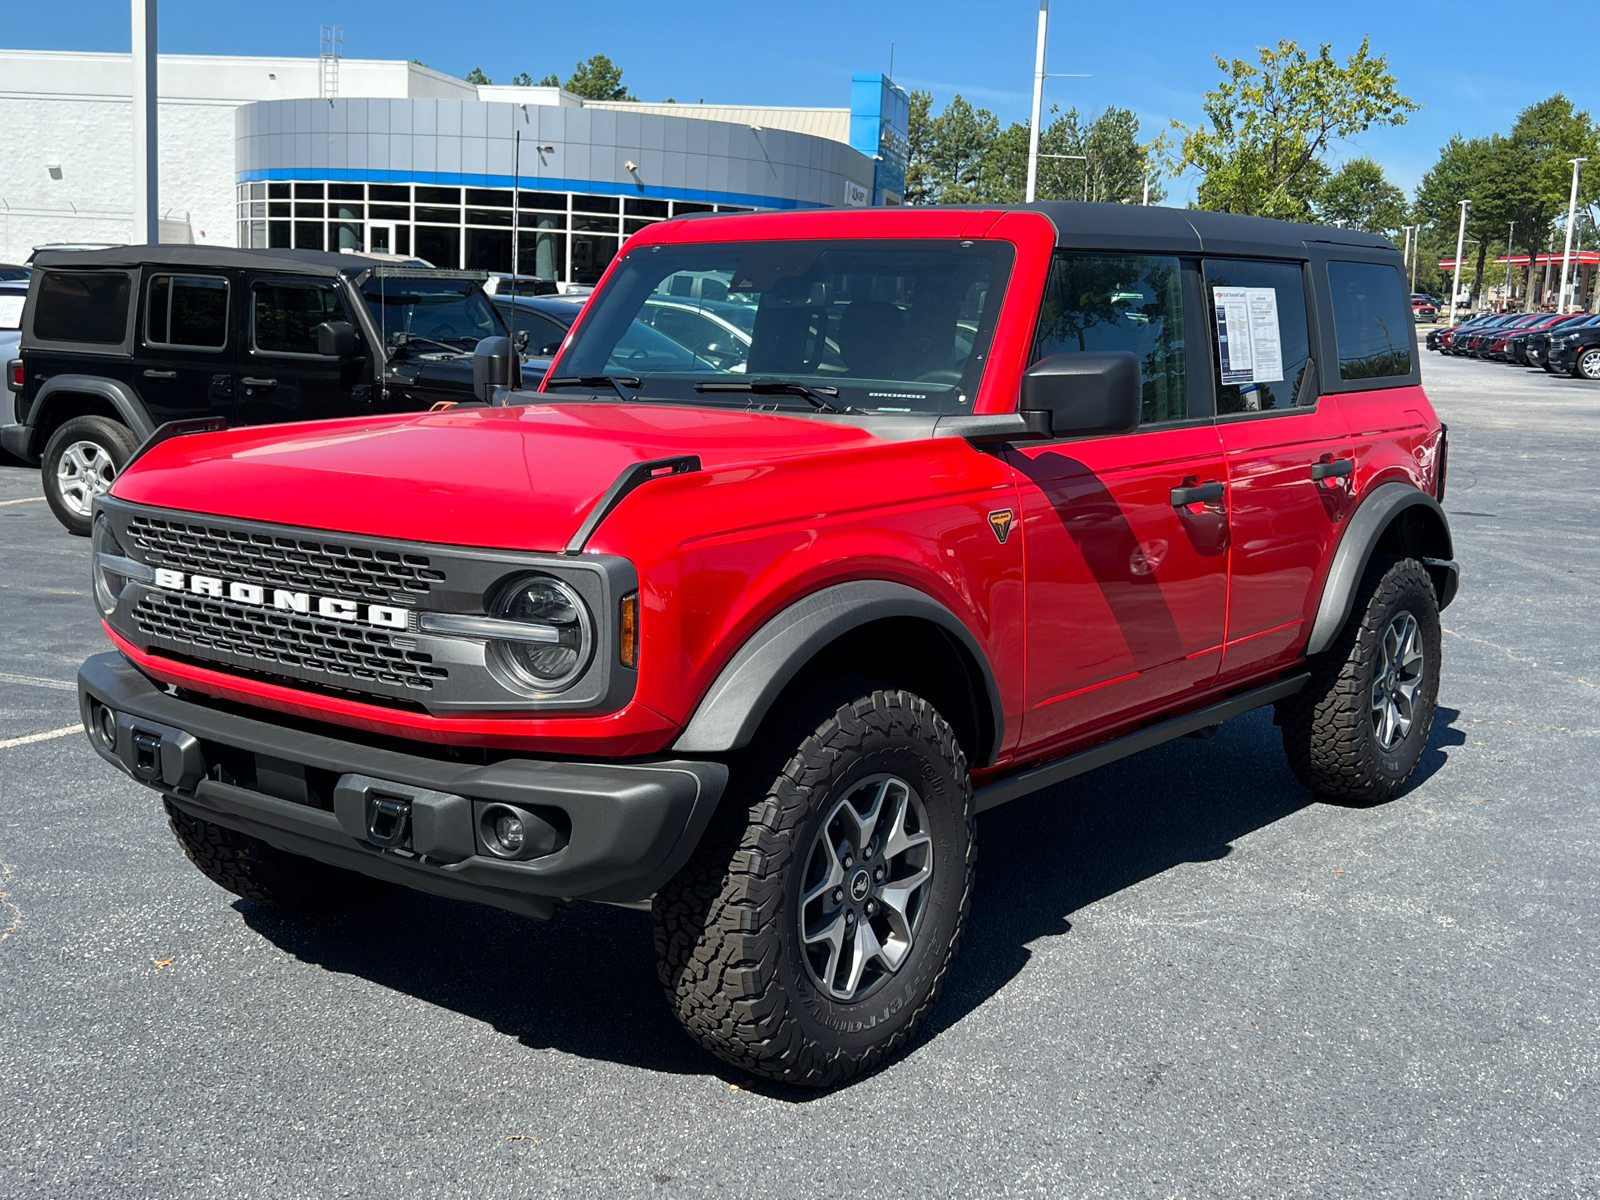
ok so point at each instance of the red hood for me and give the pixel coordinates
(517, 478)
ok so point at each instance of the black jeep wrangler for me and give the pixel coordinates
(118, 342)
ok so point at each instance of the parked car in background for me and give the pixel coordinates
(1423, 308)
(1575, 349)
(499, 284)
(14, 272)
(1536, 351)
(118, 342)
(1515, 348)
(1441, 339)
(13, 296)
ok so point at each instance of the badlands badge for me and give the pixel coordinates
(1000, 521)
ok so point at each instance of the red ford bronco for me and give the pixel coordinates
(742, 621)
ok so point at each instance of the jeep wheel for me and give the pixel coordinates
(80, 461)
(818, 920)
(250, 868)
(1355, 732)
(1587, 365)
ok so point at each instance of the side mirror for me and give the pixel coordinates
(521, 341)
(494, 365)
(336, 339)
(1086, 394)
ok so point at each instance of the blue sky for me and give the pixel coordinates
(1152, 57)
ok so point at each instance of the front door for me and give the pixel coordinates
(187, 346)
(282, 377)
(1289, 455)
(1126, 570)
(380, 237)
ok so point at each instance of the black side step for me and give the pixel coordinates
(1030, 781)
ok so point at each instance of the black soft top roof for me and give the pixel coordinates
(1108, 226)
(301, 262)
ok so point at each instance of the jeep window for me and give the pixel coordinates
(894, 325)
(187, 310)
(285, 316)
(1369, 320)
(82, 306)
(1121, 302)
(453, 313)
(1274, 333)
(542, 330)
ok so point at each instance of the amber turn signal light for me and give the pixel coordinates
(628, 639)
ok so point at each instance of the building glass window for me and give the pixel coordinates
(440, 216)
(682, 208)
(389, 212)
(489, 216)
(389, 193)
(438, 195)
(550, 200)
(308, 211)
(346, 237)
(347, 191)
(278, 208)
(542, 254)
(489, 197)
(645, 208)
(590, 257)
(308, 235)
(258, 191)
(583, 223)
(594, 204)
(489, 250)
(277, 191)
(307, 191)
(439, 245)
(279, 235)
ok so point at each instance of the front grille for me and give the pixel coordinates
(292, 642)
(312, 565)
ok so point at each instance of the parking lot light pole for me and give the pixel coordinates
(146, 189)
(1038, 102)
(1461, 238)
(1572, 216)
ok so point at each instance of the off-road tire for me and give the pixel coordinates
(250, 868)
(113, 438)
(728, 945)
(1587, 364)
(1328, 729)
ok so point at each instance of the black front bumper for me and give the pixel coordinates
(623, 829)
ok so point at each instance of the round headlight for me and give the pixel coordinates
(107, 586)
(560, 635)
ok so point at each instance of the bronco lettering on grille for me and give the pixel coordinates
(383, 616)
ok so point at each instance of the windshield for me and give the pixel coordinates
(453, 313)
(874, 325)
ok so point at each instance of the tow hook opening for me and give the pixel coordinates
(147, 754)
(388, 821)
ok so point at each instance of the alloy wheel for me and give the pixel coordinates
(866, 877)
(1395, 683)
(1589, 364)
(84, 471)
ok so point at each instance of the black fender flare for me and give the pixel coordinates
(116, 393)
(1361, 536)
(733, 708)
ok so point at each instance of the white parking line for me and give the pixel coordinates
(57, 685)
(40, 737)
(26, 500)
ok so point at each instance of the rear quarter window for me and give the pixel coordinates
(82, 306)
(1370, 321)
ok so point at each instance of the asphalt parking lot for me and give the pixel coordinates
(1181, 978)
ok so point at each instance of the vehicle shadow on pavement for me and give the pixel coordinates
(584, 983)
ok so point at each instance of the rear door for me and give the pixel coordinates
(1288, 451)
(1126, 590)
(281, 375)
(187, 344)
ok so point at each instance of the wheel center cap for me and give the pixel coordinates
(860, 885)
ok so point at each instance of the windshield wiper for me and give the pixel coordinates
(616, 382)
(818, 395)
(399, 341)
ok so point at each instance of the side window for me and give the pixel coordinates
(82, 306)
(1258, 313)
(541, 330)
(284, 316)
(1369, 320)
(1121, 302)
(187, 310)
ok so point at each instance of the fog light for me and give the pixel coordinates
(105, 724)
(508, 832)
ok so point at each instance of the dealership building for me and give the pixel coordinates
(354, 154)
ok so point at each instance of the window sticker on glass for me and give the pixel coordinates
(1248, 339)
(11, 311)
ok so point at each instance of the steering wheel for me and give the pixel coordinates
(443, 331)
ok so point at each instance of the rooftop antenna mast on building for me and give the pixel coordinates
(328, 61)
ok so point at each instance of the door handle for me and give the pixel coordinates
(1197, 494)
(1333, 469)
(250, 381)
(154, 374)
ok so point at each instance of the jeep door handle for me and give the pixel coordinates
(153, 374)
(1330, 470)
(1198, 494)
(249, 381)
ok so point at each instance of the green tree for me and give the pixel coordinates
(921, 187)
(596, 79)
(1272, 121)
(522, 79)
(1357, 196)
(962, 139)
(476, 75)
